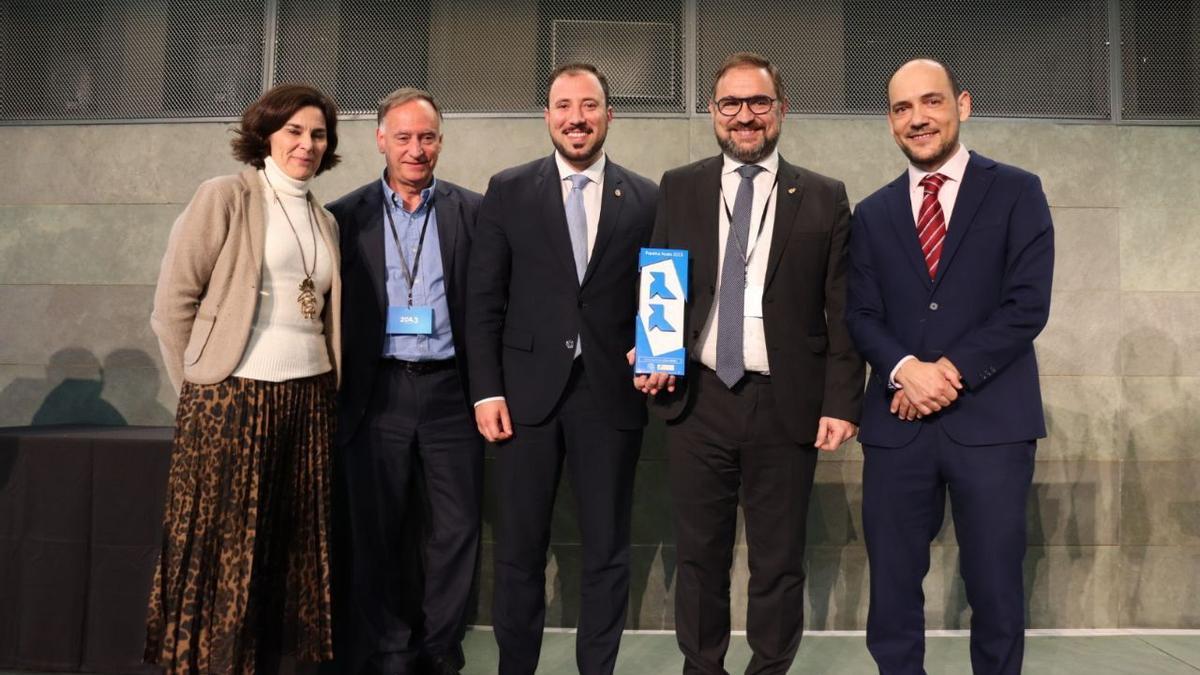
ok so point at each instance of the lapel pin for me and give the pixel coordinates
(791, 191)
(617, 192)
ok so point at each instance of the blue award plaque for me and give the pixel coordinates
(661, 298)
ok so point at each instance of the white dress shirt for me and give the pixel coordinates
(754, 342)
(591, 192)
(953, 170)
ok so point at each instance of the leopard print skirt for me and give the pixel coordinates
(243, 574)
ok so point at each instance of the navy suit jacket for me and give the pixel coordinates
(364, 286)
(989, 300)
(526, 305)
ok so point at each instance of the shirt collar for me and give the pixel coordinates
(770, 163)
(953, 169)
(391, 197)
(595, 172)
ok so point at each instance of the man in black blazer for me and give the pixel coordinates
(773, 376)
(550, 310)
(404, 414)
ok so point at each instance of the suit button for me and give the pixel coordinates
(933, 306)
(712, 290)
(695, 335)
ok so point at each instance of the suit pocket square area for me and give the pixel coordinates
(515, 338)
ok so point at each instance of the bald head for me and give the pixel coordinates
(925, 107)
(927, 67)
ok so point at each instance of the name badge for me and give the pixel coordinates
(410, 320)
(753, 301)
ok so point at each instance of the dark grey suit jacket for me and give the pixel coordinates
(815, 370)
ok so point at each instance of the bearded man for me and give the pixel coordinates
(773, 377)
(552, 296)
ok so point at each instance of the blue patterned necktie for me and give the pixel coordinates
(577, 222)
(731, 364)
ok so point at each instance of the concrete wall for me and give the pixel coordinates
(1114, 518)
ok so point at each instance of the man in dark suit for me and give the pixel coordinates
(773, 376)
(403, 409)
(951, 266)
(551, 304)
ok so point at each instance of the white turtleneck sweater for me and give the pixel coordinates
(283, 344)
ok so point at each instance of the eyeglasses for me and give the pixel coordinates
(732, 105)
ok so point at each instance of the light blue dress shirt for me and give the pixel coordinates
(429, 282)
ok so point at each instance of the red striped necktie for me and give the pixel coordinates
(931, 222)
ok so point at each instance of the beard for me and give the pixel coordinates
(752, 154)
(585, 154)
(943, 153)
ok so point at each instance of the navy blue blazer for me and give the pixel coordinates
(364, 286)
(526, 305)
(989, 300)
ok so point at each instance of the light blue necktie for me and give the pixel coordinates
(731, 364)
(577, 224)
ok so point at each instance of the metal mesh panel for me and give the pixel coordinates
(478, 56)
(85, 60)
(1160, 59)
(1018, 59)
(354, 50)
(111, 59)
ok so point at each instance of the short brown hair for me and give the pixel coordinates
(749, 60)
(400, 97)
(271, 111)
(574, 68)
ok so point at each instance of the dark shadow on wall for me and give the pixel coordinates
(836, 564)
(141, 380)
(1153, 525)
(71, 393)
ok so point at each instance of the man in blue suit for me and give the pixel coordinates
(951, 265)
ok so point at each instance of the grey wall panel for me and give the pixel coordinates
(85, 210)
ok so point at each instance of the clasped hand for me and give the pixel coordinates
(926, 388)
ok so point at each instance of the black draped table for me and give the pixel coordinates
(80, 525)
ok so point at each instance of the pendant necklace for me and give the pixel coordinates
(308, 289)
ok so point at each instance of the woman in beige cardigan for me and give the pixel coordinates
(247, 315)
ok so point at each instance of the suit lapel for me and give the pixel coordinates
(704, 215)
(371, 241)
(610, 215)
(900, 207)
(554, 216)
(788, 195)
(447, 208)
(976, 181)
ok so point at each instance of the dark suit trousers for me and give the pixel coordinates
(731, 439)
(904, 499)
(417, 430)
(600, 460)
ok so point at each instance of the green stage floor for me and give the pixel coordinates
(824, 654)
(656, 654)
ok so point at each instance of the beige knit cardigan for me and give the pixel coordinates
(209, 282)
